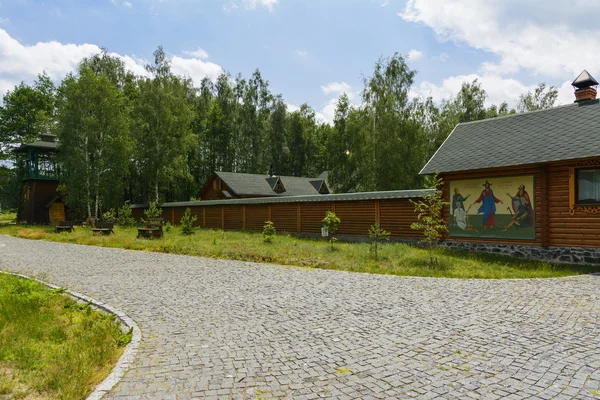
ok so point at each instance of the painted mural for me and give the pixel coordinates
(501, 207)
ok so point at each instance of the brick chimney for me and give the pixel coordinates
(585, 87)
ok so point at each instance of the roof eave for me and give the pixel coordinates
(425, 170)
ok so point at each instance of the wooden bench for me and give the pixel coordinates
(65, 226)
(153, 228)
(103, 228)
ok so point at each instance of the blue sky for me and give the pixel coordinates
(312, 50)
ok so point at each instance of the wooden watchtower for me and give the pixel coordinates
(40, 201)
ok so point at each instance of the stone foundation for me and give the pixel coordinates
(572, 255)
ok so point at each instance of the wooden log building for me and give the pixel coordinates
(40, 201)
(526, 185)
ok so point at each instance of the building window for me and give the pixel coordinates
(588, 186)
(279, 187)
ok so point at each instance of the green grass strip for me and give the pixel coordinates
(394, 258)
(50, 345)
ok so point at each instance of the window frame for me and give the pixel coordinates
(577, 202)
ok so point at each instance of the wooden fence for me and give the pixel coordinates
(303, 215)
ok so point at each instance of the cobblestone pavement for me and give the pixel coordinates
(224, 329)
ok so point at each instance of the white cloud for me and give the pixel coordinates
(337, 88)
(4, 21)
(124, 3)
(566, 93)
(292, 108)
(385, 3)
(498, 89)
(229, 7)
(57, 59)
(301, 53)
(443, 57)
(327, 114)
(414, 55)
(198, 53)
(544, 37)
(195, 69)
(252, 4)
(20, 62)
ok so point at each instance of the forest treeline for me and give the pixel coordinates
(157, 137)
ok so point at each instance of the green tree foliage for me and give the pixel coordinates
(343, 148)
(153, 211)
(162, 115)
(331, 223)
(429, 217)
(542, 97)
(27, 111)
(394, 148)
(268, 232)
(125, 216)
(157, 138)
(378, 236)
(93, 131)
(187, 222)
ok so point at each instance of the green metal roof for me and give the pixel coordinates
(560, 133)
(394, 194)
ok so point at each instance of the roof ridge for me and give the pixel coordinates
(526, 113)
(264, 175)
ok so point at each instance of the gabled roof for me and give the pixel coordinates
(561, 133)
(263, 185)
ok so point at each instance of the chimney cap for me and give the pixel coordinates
(584, 80)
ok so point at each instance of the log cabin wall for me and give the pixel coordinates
(557, 223)
(569, 227)
(36, 195)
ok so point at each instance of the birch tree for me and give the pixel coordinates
(162, 126)
(92, 127)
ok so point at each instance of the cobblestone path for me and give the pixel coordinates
(224, 329)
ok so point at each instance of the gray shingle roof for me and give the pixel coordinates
(393, 194)
(561, 133)
(260, 185)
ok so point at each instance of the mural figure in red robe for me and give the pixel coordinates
(488, 206)
(521, 204)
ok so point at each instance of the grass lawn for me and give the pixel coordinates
(50, 346)
(6, 218)
(394, 258)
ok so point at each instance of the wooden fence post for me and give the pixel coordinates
(244, 217)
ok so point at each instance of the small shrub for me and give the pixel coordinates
(268, 231)
(168, 226)
(153, 211)
(430, 219)
(331, 222)
(109, 216)
(125, 217)
(378, 236)
(187, 222)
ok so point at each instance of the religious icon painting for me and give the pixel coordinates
(499, 207)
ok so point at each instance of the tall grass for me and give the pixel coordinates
(7, 217)
(394, 258)
(51, 346)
